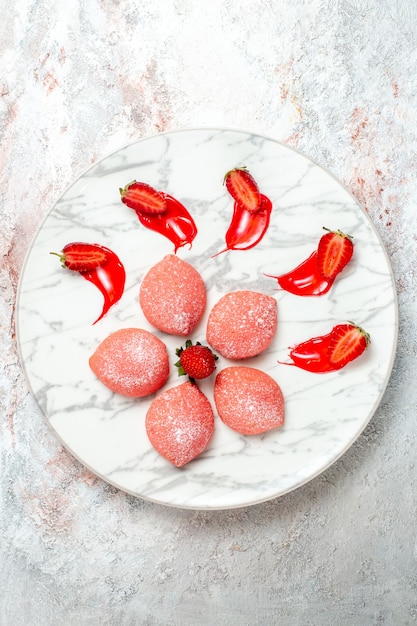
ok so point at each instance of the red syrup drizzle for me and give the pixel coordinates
(175, 223)
(313, 355)
(247, 228)
(305, 279)
(109, 278)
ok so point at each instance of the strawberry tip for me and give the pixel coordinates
(234, 169)
(61, 257)
(123, 190)
(363, 332)
(338, 232)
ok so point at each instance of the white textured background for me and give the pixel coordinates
(336, 79)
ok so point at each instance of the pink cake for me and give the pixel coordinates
(248, 400)
(131, 362)
(242, 324)
(180, 423)
(173, 296)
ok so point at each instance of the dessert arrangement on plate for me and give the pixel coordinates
(225, 345)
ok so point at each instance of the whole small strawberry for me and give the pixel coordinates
(196, 361)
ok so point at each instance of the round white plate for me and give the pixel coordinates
(325, 413)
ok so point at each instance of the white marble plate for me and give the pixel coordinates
(325, 413)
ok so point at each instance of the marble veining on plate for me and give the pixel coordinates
(324, 413)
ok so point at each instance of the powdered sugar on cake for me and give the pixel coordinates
(132, 362)
(242, 324)
(248, 400)
(173, 296)
(180, 423)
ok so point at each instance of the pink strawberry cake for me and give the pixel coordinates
(132, 362)
(180, 423)
(248, 400)
(173, 296)
(242, 324)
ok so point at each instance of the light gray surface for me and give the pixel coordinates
(336, 80)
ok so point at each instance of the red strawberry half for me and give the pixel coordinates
(82, 257)
(243, 188)
(334, 252)
(347, 343)
(143, 198)
(196, 361)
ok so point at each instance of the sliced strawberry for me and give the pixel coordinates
(243, 188)
(347, 342)
(143, 198)
(334, 252)
(82, 257)
(196, 361)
